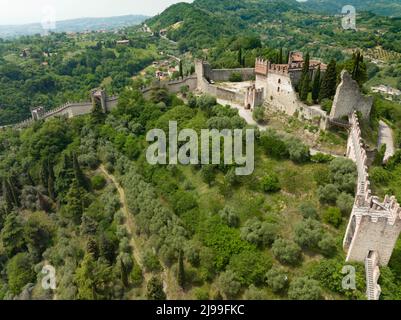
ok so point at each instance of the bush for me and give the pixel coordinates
(98, 182)
(253, 293)
(259, 114)
(380, 175)
(345, 202)
(183, 202)
(328, 194)
(150, 262)
(249, 267)
(304, 289)
(327, 245)
(322, 158)
(273, 145)
(230, 217)
(297, 151)
(270, 183)
(228, 284)
(333, 216)
(235, 77)
(308, 233)
(19, 272)
(277, 279)
(201, 294)
(308, 210)
(259, 233)
(286, 252)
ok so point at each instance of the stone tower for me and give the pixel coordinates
(99, 96)
(374, 226)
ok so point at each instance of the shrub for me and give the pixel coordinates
(308, 210)
(235, 77)
(297, 151)
(249, 267)
(201, 294)
(345, 202)
(321, 158)
(270, 183)
(273, 145)
(277, 279)
(328, 194)
(304, 289)
(150, 262)
(333, 216)
(259, 233)
(286, 251)
(253, 293)
(327, 245)
(228, 284)
(308, 233)
(19, 272)
(230, 217)
(259, 114)
(98, 182)
(183, 202)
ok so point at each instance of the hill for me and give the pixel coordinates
(390, 8)
(75, 25)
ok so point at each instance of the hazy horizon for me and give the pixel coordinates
(59, 10)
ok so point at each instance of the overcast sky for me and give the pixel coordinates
(27, 11)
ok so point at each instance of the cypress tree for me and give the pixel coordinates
(304, 84)
(240, 56)
(181, 270)
(181, 70)
(281, 56)
(50, 181)
(316, 86)
(329, 83)
(79, 175)
(7, 195)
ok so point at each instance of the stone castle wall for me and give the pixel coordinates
(374, 225)
(349, 98)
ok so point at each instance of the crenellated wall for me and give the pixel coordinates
(374, 225)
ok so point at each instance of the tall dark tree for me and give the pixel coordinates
(79, 175)
(181, 70)
(12, 235)
(155, 289)
(316, 86)
(50, 181)
(280, 59)
(240, 61)
(304, 86)
(181, 270)
(329, 83)
(97, 115)
(359, 72)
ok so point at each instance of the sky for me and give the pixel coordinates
(29, 11)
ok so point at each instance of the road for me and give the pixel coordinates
(386, 138)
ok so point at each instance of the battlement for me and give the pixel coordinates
(262, 66)
(389, 208)
(279, 69)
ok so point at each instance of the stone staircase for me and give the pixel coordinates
(372, 270)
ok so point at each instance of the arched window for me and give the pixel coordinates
(279, 81)
(278, 89)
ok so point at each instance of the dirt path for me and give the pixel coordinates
(129, 222)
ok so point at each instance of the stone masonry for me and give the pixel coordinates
(374, 226)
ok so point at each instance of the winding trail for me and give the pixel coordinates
(170, 286)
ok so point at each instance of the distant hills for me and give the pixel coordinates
(75, 25)
(391, 8)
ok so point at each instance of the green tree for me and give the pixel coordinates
(333, 216)
(181, 270)
(316, 86)
(304, 289)
(12, 235)
(286, 251)
(304, 84)
(155, 289)
(329, 83)
(19, 272)
(277, 279)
